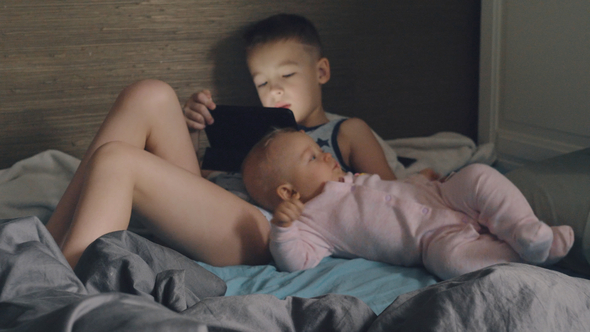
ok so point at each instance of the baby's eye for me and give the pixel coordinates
(261, 85)
(288, 75)
(313, 157)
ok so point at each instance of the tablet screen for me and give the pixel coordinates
(235, 131)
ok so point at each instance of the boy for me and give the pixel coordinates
(285, 59)
(474, 219)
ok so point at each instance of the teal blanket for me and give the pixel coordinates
(376, 284)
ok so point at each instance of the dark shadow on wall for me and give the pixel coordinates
(232, 83)
(408, 70)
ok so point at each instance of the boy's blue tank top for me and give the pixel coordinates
(326, 135)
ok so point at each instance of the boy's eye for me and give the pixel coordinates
(261, 85)
(288, 75)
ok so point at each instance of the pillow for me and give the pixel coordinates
(558, 190)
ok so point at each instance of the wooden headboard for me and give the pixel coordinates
(407, 69)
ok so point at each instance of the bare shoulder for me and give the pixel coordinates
(362, 149)
(355, 128)
(353, 134)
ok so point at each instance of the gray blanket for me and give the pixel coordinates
(124, 282)
(127, 283)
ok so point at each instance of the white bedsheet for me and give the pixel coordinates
(33, 186)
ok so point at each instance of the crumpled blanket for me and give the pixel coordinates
(124, 282)
(503, 297)
(444, 152)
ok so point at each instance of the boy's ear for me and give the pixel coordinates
(285, 191)
(323, 70)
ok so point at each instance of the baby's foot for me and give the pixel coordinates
(563, 240)
(533, 242)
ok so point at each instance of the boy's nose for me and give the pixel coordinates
(276, 89)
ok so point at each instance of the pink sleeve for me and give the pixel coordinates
(297, 247)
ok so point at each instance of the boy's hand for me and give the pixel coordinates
(287, 212)
(196, 110)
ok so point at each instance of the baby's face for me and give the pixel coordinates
(304, 164)
(288, 74)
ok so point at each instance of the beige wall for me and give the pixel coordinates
(408, 69)
(538, 106)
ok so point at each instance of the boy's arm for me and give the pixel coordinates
(362, 150)
(197, 117)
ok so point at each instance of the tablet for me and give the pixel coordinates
(237, 129)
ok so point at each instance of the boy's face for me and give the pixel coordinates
(303, 164)
(289, 74)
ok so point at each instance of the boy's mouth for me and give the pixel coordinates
(282, 105)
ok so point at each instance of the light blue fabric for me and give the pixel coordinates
(376, 284)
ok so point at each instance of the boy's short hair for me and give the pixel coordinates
(283, 27)
(260, 174)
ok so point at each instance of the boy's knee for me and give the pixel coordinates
(111, 156)
(148, 102)
(149, 87)
(151, 92)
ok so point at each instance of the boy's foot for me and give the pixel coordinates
(563, 240)
(533, 242)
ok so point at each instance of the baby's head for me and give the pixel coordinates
(284, 163)
(284, 55)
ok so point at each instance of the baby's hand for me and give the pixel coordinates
(196, 110)
(287, 212)
(430, 174)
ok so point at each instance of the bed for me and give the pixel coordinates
(126, 282)
(64, 62)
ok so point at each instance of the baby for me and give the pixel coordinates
(473, 219)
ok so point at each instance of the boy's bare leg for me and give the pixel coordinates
(146, 115)
(191, 214)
